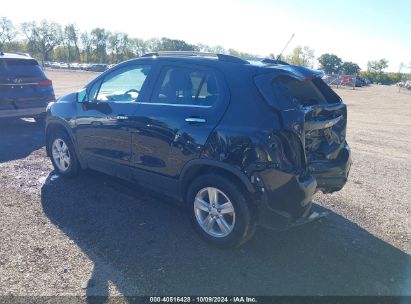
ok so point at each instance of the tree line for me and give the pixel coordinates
(332, 64)
(50, 41)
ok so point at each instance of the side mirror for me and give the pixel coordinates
(82, 96)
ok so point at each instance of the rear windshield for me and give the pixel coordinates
(304, 92)
(20, 68)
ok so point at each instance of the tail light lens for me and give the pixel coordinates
(46, 83)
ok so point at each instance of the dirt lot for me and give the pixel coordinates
(96, 235)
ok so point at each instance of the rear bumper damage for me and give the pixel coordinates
(286, 199)
(332, 175)
(309, 217)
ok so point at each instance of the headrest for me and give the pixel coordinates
(212, 86)
(180, 80)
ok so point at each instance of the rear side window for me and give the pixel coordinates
(186, 86)
(20, 68)
(303, 92)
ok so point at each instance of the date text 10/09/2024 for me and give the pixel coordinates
(203, 300)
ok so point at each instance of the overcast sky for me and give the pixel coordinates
(356, 31)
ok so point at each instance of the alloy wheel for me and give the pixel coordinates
(61, 154)
(214, 212)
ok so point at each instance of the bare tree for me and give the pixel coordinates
(125, 48)
(42, 38)
(7, 32)
(218, 49)
(71, 41)
(203, 48)
(86, 46)
(377, 66)
(138, 47)
(153, 45)
(301, 55)
(114, 46)
(99, 39)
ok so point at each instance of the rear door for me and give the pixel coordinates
(173, 124)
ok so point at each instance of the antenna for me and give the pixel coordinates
(279, 56)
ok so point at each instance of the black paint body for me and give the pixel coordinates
(275, 151)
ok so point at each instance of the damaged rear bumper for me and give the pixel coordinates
(286, 199)
(332, 175)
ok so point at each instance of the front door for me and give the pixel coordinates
(103, 124)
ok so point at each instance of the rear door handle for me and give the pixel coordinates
(195, 120)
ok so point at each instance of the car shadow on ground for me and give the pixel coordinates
(150, 241)
(19, 138)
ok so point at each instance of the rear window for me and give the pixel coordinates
(20, 68)
(304, 92)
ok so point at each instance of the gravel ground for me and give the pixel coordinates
(96, 235)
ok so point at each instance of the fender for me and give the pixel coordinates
(216, 164)
(55, 120)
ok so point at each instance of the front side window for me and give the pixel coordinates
(93, 90)
(186, 86)
(123, 85)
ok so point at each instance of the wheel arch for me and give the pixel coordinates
(199, 167)
(56, 125)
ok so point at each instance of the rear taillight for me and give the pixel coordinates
(46, 83)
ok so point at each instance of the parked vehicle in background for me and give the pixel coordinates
(239, 143)
(84, 66)
(25, 90)
(93, 67)
(97, 68)
(359, 81)
(75, 66)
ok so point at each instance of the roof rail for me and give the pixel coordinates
(274, 61)
(222, 57)
(16, 53)
(21, 53)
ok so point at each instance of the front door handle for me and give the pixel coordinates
(195, 120)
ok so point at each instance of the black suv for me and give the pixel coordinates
(240, 143)
(24, 89)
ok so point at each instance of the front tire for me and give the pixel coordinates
(219, 211)
(62, 154)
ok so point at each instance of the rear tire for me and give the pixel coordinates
(219, 211)
(62, 154)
